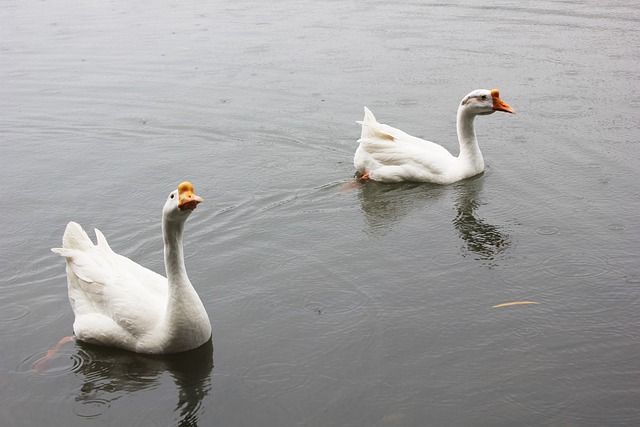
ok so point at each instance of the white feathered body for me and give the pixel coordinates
(390, 155)
(119, 303)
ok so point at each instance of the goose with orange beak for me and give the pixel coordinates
(119, 303)
(388, 154)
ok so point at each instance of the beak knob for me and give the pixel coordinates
(187, 200)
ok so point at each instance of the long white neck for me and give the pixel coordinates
(178, 281)
(185, 311)
(173, 254)
(470, 153)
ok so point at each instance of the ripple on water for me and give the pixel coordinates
(616, 227)
(610, 292)
(140, 378)
(334, 301)
(277, 378)
(511, 206)
(13, 312)
(547, 230)
(528, 332)
(632, 278)
(447, 259)
(19, 321)
(329, 291)
(575, 265)
(600, 180)
(322, 313)
(91, 408)
(563, 107)
(407, 102)
(543, 394)
(65, 360)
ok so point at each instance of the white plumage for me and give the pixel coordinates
(119, 303)
(388, 154)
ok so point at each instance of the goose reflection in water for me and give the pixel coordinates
(486, 242)
(110, 374)
(385, 204)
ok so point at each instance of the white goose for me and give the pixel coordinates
(118, 303)
(388, 154)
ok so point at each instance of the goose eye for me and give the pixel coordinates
(484, 97)
(173, 195)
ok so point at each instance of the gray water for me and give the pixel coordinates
(332, 303)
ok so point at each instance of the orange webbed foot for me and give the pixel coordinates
(41, 363)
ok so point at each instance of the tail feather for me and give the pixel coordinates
(75, 237)
(368, 120)
(102, 241)
(372, 130)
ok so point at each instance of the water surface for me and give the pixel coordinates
(331, 303)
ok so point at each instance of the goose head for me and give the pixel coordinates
(483, 102)
(181, 202)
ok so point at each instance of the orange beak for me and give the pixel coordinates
(499, 104)
(186, 197)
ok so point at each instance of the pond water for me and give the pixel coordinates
(332, 303)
